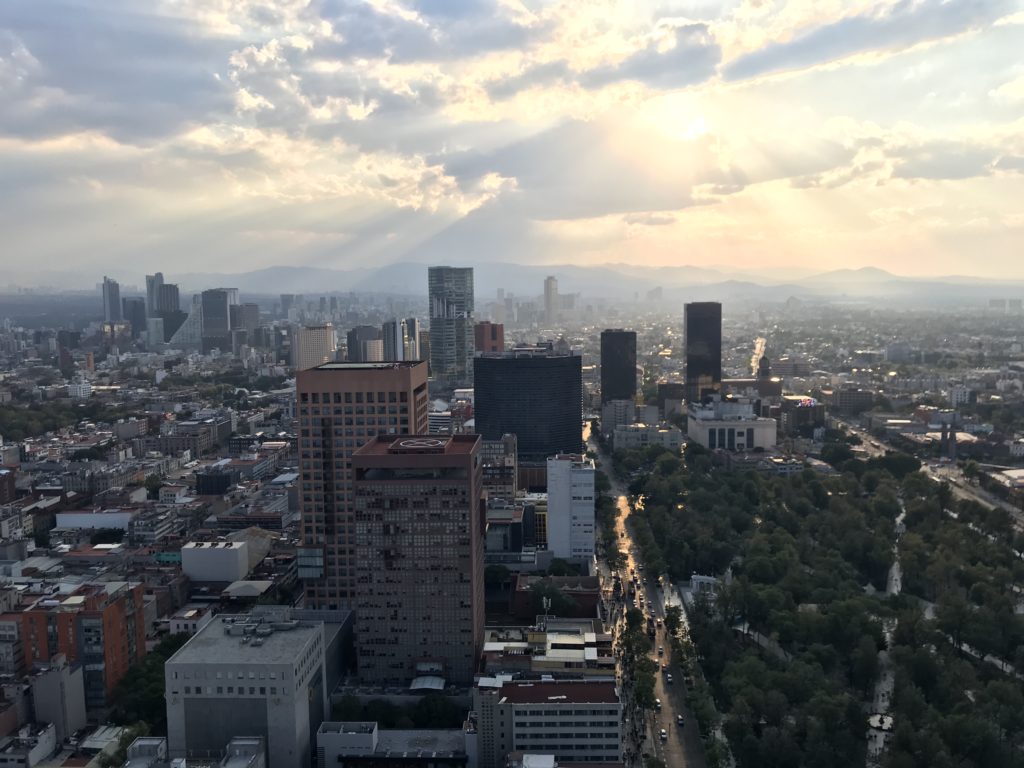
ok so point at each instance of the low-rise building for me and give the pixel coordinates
(633, 436)
(364, 745)
(574, 720)
(729, 425)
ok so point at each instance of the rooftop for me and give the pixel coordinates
(385, 445)
(555, 692)
(247, 639)
(427, 742)
(368, 366)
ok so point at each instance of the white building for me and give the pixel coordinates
(570, 519)
(730, 425)
(248, 675)
(615, 413)
(314, 345)
(190, 619)
(106, 518)
(574, 720)
(631, 436)
(79, 390)
(219, 561)
(959, 396)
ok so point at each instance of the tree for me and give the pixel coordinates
(119, 756)
(836, 453)
(495, 575)
(153, 485)
(560, 567)
(560, 605)
(673, 618)
(139, 696)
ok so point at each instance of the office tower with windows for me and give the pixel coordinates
(570, 521)
(245, 317)
(618, 365)
(216, 304)
(551, 305)
(394, 335)
(360, 344)
(314, 345)
(340, 407)
(133, 310)
(111, 301)
(702, 333)
(533, 393)
(167, 299)
(153, 284)
(450, 292)
(419, 586)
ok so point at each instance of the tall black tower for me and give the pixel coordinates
(534, 394)
(702, 327)
(618, 365)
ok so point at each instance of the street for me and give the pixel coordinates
(683, 746)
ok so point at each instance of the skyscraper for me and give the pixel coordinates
(451, 323)
(358, 341)
(111, 301)
(245, 317)
(216, 304)
(418, 557)
(702, 330)
(167, 299)
(618, 365)
(570, 520)
(341, 406)
(534, 394)
(153, 284)
(133, 309)
(400, 340)
(314, 345)
(551, 300)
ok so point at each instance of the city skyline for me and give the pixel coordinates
(248, 135)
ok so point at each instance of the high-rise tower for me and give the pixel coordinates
(451, 323)
(702, 329)
(340, 407)
(618, 365)
(111, 301)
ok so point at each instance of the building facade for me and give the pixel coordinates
(570, 524)
(489, 337)
(248, 675)
(618, 365)
(314, 345)
(418, 557)
(534, 394)
(576, 721)
(111, 301)
(341, 406)
(702, 332)
(451, 299)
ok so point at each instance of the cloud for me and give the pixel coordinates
(687, 54)
(649, 219)
(901, 25)
(947, 160)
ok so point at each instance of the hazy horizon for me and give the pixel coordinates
(225, 136)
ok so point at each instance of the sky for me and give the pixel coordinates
(231, 135)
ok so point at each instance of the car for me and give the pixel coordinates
(668, 678)
(657, 704)
(663, 735)
(679, 721)
(661, 650)
(664, 667)
(657, 622)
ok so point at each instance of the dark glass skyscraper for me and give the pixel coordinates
(533, 394)
(702, 328)
(618, 365)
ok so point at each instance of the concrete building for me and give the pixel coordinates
(153, 283)
(361, 344)
(576, 721)
(216, 318)
(253, 676)
(58, 696)
(730, 426)
(340, 407)
(571, 507)
(215, 561)
(551, 303)
(399, 339)
(418, 556)
(489, 337)
(29, 747)
(314, 345)
(615, 413)
(111, 301)
(450, 291)
(632, 436)
(363, 745)
(500, 467)
(100, 626)
(240, 752)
